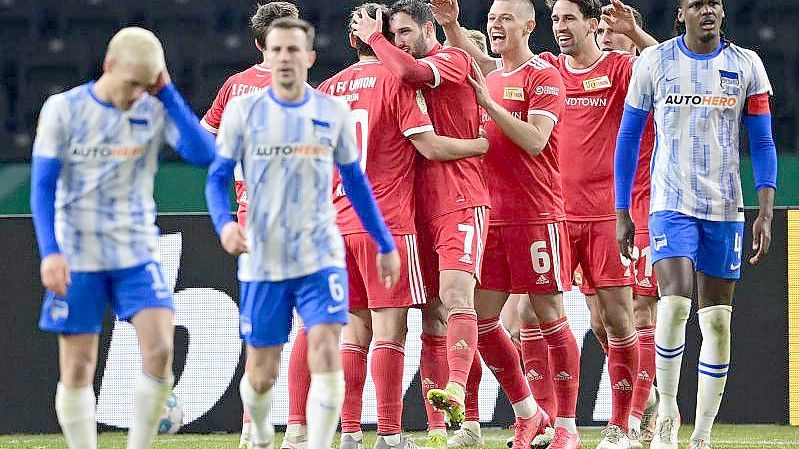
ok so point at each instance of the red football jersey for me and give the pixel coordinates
(525, 189)
(386, 112)
(639, 209)
(594, 106)
(444, 187)
(253, 79)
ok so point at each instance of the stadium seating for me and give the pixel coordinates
(51, 44)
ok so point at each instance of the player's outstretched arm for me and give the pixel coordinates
(446, 14)
(763, 152)
(621, 20)
(443, 148)
(195, 144)
(404, 66)
(531, 135)
(362, 198)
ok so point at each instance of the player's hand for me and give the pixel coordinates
(162, 80)
(388, 268)
(55, 274)
(363, 26)
(625, 233)
(620, 17)
(479, 83)
(233, 239)
(445, 11)
(761, 238)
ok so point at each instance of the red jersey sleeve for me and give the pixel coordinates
(449, 64)
(213, 117)
(549, 57)
(546, 93)
(326, 87)
(411, 110)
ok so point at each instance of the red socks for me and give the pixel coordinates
(353, 362)
(622, 367)
(564, 363)
(388, 363)
(646, 370)
(299, 379)
(461, 343)
(500, 355)
(535, 354)
(473, 389)
(434, 370)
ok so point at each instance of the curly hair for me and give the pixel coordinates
(266, 13)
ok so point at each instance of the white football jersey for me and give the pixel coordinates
(288, 151)
(105, 211)
(698, 103)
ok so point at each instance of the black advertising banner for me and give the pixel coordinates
(209, 357)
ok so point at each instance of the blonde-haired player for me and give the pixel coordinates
(94, 163)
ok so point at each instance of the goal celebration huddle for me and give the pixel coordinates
(427, 175)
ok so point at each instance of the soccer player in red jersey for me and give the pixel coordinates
(596, 85)
(617, 21)
(453, 198)
(527, 248)
(392, 122)
(255, 78)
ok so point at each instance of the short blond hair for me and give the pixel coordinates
(138, 47)
(477, 38)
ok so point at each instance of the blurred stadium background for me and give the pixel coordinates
(47, 46)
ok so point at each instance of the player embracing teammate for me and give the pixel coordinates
(527, 248)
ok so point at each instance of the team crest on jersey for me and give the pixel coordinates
(730, 82)
(421, 102)
(602, 82)
(138, 121)
(322, 131)
(513, 93)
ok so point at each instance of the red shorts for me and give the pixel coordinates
(532, 259)
(367, 290)
(454, 241)
(646, 281)
(644, 275)
(595, 250)
(580, 282)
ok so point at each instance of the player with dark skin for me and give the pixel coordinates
(702, 21)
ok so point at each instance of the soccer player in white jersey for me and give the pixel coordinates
(700, 87)
(94, 163)
(288, 138)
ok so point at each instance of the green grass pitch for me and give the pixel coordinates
(725, 437)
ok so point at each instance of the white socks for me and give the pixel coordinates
(672, 315)
(259, 405)
(325, 399)
(148, 403)
(569, 424)
(526, 408)
(75, 408)
(714, 361)
(634, 423)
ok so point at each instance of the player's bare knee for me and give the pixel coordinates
(434, 319)
(457, 297)
(77, 371)
(643, 313)
(325, 358)
(527, 313)
(157, 356)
